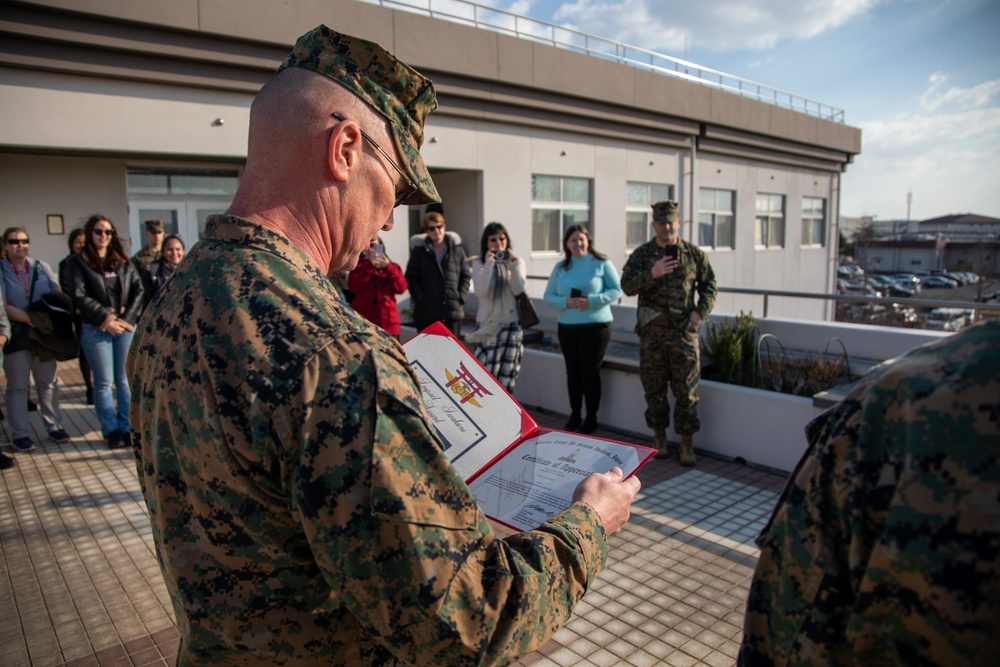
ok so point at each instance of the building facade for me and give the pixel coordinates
(139, 110)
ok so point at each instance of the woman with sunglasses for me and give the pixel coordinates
(107, 290)
(498, 276)
(25, 281)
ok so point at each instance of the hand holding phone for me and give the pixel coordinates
(575, 293)
(671, 252)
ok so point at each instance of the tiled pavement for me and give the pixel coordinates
(79, 582)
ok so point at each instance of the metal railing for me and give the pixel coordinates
(523, 27)
(977, 307)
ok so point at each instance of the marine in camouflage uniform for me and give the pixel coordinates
(152, 251)
(300, 501)
(669, 356)
(883, 549)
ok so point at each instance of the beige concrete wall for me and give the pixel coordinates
(57, 111)
(34, 187)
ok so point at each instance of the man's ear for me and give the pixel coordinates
(344, 150)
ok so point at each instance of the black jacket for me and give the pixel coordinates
(438, 290)
(90, 292)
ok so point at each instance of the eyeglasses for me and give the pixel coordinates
(17, 241)
(433, 228)
(104, 232)
(401, 196)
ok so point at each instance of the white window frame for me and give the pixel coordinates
(710, 213)
(769, 220)
(644, 209)
(568, 211)
(810, 218)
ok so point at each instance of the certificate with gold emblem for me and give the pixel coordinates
(519, 473)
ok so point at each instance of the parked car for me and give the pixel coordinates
(909, 280)
(890, 287)
(959, 278)
(850, 271)
(938, 281)
(945, 319)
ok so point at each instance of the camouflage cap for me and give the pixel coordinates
(389, 86)
(154, 226)
(665, 211)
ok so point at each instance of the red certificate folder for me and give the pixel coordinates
(520, 474)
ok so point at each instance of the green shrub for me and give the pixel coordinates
(737, 353)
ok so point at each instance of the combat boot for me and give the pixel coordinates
(687, 451)
(660, 444)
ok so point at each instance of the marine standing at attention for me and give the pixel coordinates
(667, 272)
(300, 501)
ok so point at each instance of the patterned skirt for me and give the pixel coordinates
(502, 354)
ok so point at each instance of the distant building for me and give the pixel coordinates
(961, 226)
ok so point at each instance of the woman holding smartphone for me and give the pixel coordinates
(582, 288)
(498, 275)
(374, 284)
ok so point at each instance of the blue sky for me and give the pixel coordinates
(921, 78)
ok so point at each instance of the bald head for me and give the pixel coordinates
(290, 120)
(310, 177)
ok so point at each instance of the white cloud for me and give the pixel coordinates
(935, 96)
(949, 161)
(720, 26)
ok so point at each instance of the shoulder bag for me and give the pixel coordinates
(525, 311)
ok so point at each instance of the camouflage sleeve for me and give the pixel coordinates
(636, 274)
(400, 538)
(707, 287)
(883, 548)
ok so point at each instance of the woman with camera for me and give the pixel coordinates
(582, 288)
(498, 275)
(374, 284)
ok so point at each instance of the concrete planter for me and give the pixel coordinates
(762, 427)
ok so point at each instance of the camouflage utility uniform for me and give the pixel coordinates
(883, 549)
(669, 357)
(300, 501)
(142, 259)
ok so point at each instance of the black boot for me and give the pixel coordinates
(573, 423)
(589, 424)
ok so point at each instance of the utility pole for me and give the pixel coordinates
(909, 201)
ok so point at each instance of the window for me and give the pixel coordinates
(557, 203)
(638, 211)
(203, 182)
(716, 218)
(813, 220)
(769, 230)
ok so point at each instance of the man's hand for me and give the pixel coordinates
(610, 496)
(663, 266)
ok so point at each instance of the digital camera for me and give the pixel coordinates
(501, 255)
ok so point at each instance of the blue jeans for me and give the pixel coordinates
(106, 354)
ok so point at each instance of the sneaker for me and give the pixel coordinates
(59, 435)
(6, 461)
(23, 445)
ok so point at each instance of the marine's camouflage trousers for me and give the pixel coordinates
(670, 359)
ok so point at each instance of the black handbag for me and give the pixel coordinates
(525, 311)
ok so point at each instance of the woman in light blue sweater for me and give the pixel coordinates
(582, 288)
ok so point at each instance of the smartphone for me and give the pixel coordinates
(575, 293)
(671, 251)
(378, 250)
